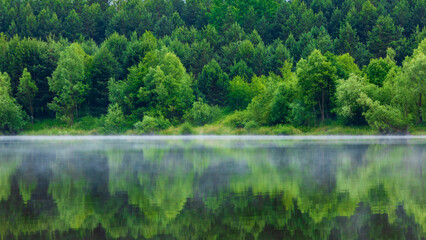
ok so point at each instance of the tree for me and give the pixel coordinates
(11, 115)
(68, 83)
(348, 40)
(27, 90)
(348, 93)
(377, 70)
(240, 93)
(414, 77)
(72, 26)
(163, 27)
(213, 84)
(384, 118)
(104, 67)
(166, 88)
(317, 82)
(384, 35)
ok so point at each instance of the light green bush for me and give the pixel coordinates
(114, 120)
(186, 129)
(202, 113)
(151, 124)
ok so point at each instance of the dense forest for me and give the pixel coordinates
(152, 64)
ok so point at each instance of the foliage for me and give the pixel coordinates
(236, 120)
(11, 115)
(240, 93)
(68, 83)
(317, 82)
(347, 94)
(166, 86)
(152, 124)
(156, 57)
(202, 113)
(213, 83)
(114, 119)
(27, 90)
(186, 129)
(385, 118)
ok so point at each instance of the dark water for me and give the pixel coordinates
(212, 188)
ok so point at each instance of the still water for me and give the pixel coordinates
(212, 188)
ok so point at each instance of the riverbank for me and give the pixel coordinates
(93, 126)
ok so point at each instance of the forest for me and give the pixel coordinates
(170, 66)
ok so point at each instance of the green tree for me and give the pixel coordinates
(11, 115)
(348, 93)
(414, 78)
(73, 26)
(384, 35)
(348, 40)
(27, 90)
(377, 70)
(68, 83)
(104, 67)
(114, 119)
(213, 84)
(317, 82)
(384, 118)
(240, 93)
(166, 86)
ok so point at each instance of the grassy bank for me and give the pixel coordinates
(94, 126)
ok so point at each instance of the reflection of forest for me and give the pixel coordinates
(188, 190)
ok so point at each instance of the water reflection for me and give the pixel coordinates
(212, 189)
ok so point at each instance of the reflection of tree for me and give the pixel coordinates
(8, 166)
(188, 190)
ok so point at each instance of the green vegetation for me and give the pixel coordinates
(244, 65)
(189, 189)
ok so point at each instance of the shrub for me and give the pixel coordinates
(286, 130)
(186, 129)
(384, 118)
(237, 120)
(11, 115)
(114, 120)
(151, 124)
(240, 93)
(251, 125)
(202, 113)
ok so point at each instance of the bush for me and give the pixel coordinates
(384, 118)
(201, 114)
(114, 120)
(300, 115)
(11, 115)
(240, 93)
(237, 120)
(286, 130)
(251, 125)
(152, 124)
(186, 129)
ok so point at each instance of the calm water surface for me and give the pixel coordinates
(212, 188)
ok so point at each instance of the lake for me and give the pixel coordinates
(212, 187)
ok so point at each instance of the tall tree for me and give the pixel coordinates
(68, 83)
(213, 84)
(384, 34)
(317, 82)
(27, 90)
